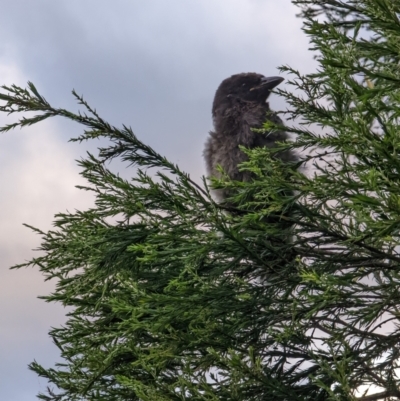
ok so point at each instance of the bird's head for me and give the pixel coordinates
(250, 87)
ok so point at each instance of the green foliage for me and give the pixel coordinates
(293, 295)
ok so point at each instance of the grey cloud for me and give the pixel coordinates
(154, 65)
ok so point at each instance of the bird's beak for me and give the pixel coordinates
(268, 83)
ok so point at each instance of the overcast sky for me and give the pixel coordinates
(153, 65)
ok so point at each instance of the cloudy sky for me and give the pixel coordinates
(153, 65)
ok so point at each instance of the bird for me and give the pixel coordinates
(240, 104)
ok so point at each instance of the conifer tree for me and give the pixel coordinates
(294, 296)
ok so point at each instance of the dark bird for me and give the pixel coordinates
(240, 104)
